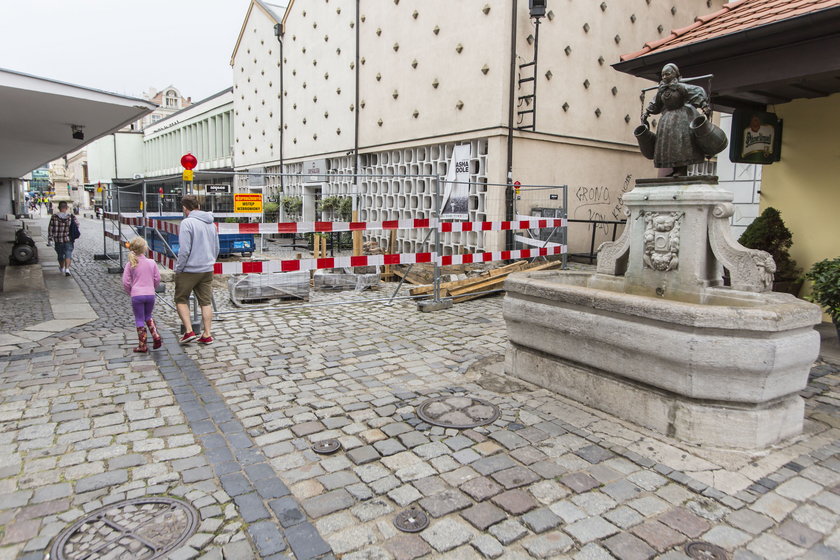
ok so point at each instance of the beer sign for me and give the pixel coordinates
(756, 137)
(251, 203)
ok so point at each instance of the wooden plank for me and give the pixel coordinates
(410, 278)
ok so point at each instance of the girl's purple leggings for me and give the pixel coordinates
(142, 307)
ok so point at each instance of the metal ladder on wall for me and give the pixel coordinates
(526, 115)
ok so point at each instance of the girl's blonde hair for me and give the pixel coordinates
(136, 248)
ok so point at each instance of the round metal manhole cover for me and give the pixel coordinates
(700, 550)
(458, 411)
(140, 529)
(412, 520)
(326, 446)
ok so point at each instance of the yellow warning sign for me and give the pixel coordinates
(245, 202)
(187, 174)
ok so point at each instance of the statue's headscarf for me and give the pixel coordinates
(673, 68)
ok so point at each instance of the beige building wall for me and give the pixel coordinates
(803, 185)
(435, 72)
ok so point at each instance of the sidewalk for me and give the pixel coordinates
(228, 428)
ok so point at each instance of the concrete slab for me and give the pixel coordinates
(56, 325)
(34, 336)
(7, 339)
(23, 279)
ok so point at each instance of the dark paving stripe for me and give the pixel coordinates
(243, 469)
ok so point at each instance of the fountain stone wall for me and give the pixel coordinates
(653, 336)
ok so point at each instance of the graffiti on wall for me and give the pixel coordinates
(601, 203)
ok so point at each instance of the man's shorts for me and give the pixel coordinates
(199, 282)
(64, 250)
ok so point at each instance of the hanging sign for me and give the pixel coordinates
(756, 137)
(456, 192)
(217, 188)
(187, 174)
(248, 202)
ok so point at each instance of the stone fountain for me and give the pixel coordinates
(654, 337)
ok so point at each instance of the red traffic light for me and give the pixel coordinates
(188, 161)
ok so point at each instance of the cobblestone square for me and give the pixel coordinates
(229, 428)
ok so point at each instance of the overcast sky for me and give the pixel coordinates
(124, 46)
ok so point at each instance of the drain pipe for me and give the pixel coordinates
(511, 92)
(357, 236)
(278, 32)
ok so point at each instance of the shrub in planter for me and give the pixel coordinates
(825, 291)
(769, 233)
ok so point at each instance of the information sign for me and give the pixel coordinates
(248, 202)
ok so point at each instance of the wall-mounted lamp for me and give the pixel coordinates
(78, 133)
(537, 8)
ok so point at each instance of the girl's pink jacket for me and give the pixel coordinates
(143, 279)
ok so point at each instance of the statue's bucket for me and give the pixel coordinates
(646, 139)
(709, 137)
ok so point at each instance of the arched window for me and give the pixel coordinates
(172, 98)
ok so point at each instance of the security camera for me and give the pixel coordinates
(78, 134)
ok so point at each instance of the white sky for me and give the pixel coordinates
(124, 46)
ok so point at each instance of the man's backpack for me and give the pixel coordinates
(74, 229)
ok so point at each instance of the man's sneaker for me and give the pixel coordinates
(61, 269)
(66, 272)
(205, 340)
(188, 337)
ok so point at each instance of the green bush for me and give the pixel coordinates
(769, 233)
(825, 291)
(340, 206)
(292, 205)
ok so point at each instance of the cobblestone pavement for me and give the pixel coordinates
(228, 427)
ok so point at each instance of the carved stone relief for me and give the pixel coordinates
(662, 240)
(751, 270)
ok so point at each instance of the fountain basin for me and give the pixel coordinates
(717, 367)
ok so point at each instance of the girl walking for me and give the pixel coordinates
(140, 278)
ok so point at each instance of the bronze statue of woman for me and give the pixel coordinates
(677, 102)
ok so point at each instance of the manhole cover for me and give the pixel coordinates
(412, 520)
(461, 411)
(140, 529)
(326, 446)
(700, 550)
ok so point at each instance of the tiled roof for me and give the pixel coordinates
(732, 18)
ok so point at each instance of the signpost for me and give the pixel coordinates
(248, 203)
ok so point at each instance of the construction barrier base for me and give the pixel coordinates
(429, 305)
(104, 257)
(114, 270)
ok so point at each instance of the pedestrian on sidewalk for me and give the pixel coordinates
(63, 235)
(197, 253)
(140, 278)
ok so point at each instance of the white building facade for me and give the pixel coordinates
(432, 75)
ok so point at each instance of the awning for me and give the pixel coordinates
(37, 115)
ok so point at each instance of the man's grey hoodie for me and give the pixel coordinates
(199, 243)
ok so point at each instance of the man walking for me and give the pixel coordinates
(198, 249)
(61, 233)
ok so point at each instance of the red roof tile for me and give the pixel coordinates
(733, 17)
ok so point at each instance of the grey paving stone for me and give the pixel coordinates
(528, 455)
(259, 471)
(413, 439)
(431, 485)
(338, 479)
(287, 511)
(749, 520)
(456, 443)
(594, 453)
(307, 428)
(370, 510)
(481, 488)
(335, 422)
(621, 490)
(726, 537)
(267, 538)
(104, 480)
(404, 495)
(541, 520)
(579, 482)
(627, 547)
(591, 529)
(547, 469)
(407, 547)
(487, 546)
(446, 534)
(508, 531)
(483, 515)
(547, 545)
(318, 506)
(387, 447)
(515, 477)
(466, 456)
(251, 507)
(305, 541)
(239, 550)
(363, 455)
(360, 491)
(508, 439)
(489, 465)
(236, 484)
(658, 535)
(44, 494)
(685, 522)
(446, 502)
(624, 517)
(798, 534)
(397, 428)
(270, 488)
(385, 484)
(515, 502)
